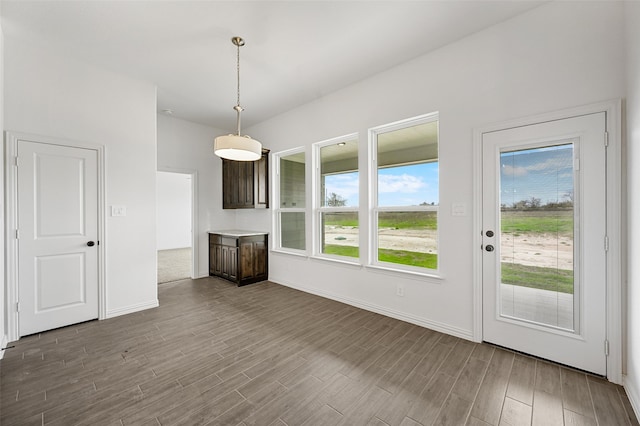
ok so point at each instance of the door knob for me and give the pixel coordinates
(489, 248)
(91, 244)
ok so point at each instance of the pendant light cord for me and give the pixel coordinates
(238, 72)
(238, 108)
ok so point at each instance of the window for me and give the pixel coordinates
(290, 208)
(405, 194)
(337, 186)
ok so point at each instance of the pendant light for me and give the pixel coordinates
(237, 147)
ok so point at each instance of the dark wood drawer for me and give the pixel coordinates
(223, 240)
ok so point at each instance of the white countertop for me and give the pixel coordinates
(237, 233)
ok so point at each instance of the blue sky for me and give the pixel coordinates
(544, 173)
(397, 186)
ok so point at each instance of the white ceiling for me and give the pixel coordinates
(296, 51)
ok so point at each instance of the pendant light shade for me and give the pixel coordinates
(237, 147)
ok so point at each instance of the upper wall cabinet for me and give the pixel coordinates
(261, 180)
(245, 184)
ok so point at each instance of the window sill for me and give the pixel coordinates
(434, 276)
(388, 270)
(340, 262)
(290, 253)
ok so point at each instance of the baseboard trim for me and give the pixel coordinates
(132, 308)
(633, 394)
(3, 344)
(422, 322)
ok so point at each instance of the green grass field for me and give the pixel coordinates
(536, 277)
(349, 251)
(527, 221)
(408, 220)
(341, 219)
(537, 221)
(402, 257)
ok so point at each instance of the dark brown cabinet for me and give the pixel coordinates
(223, 260)
(245, 184)
(261, 180)
(238, 257)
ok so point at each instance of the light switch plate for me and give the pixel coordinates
(458, 209)
(118, 211)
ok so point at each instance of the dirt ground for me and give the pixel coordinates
(545, 250)
(397, 239)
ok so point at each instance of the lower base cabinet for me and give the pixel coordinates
(241, 259)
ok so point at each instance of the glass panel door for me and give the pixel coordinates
(543, 228)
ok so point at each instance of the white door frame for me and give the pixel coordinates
(195, 225)
(615, 262)
(11, 224)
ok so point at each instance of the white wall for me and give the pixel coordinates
(59, 97)
(3, 330)
(173, 210)
(632, 26)
(559, 55)
(188, 147)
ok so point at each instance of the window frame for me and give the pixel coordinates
(319, 209)
(278, 209)
(375, 209)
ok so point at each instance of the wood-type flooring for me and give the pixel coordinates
(266, 354)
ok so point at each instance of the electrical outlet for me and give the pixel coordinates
(400, 290)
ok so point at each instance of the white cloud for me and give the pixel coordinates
(400, 183)
(508, 170)
(552, 165)
(347, 186)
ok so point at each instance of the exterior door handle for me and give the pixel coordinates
(489, 247)
(91, 244)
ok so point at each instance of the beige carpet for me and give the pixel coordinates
(174, 265)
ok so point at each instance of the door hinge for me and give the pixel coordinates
(18, 307)
(606, 139)
(606, 243)
(17, 234)
(15, 161)
(606, 348)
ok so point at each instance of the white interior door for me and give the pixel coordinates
(57, 236)
(544, 231)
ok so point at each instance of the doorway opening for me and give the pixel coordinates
(174, 235)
